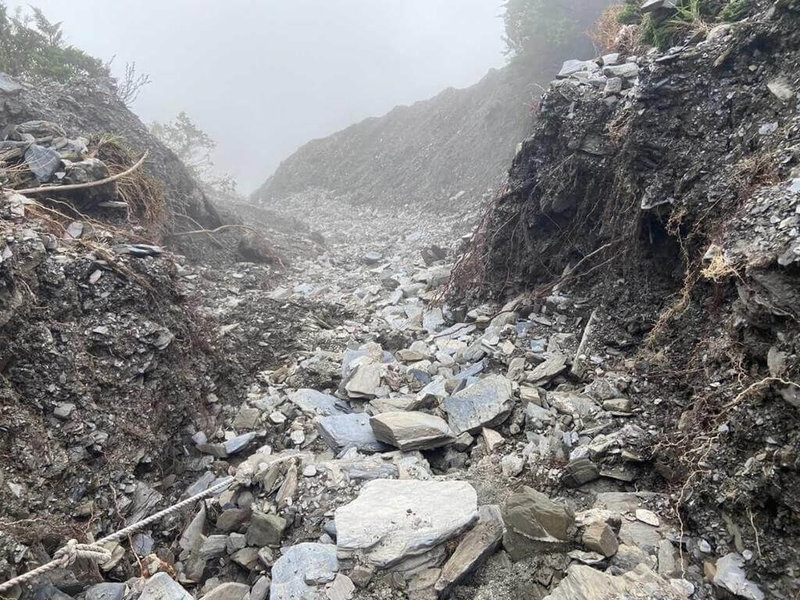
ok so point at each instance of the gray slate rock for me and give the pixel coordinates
(106, 591)
(349, 431)
(476, 546)
(162, 587)
(586, 583)
(266, 529)
(296, 574)
(625, 71)
(410, 430)
(392, 520)
(731, 576)
(484, 404)
(533, 521)
(227, 591)
(42, 161)
(317, 403)
(229, 447)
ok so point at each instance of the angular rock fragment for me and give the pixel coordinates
(731, 576)
(409, 430)
(552, 366)
(302, 567)
(580, 471)
(586, 583)
(598, 537)
(484, 404)
(162, 587)
(533, 521)
(317, 403)
(349, 431)
(227, 591)
(393, 520)
(266, 529)
(476, 546)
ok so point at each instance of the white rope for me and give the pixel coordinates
(72, 551)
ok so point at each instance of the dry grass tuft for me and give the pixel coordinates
(605, 32)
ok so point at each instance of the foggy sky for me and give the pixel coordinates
(264, 76)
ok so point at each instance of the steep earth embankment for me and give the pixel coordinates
(667, 189)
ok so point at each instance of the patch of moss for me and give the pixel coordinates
(735, 10)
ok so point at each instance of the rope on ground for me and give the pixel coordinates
(73, 551)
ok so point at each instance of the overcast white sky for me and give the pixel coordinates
(264, 76)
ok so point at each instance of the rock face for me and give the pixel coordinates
(586, 583)
(393, 520)
(296, 574)
(484, 404)
(410, 430)
(533, 521)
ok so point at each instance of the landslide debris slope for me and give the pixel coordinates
(115, 347)
(666, 189)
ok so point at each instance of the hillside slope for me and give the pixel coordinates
(427, 152)
(672, 207)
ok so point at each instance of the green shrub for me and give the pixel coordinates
(735, 10)
(32, 46)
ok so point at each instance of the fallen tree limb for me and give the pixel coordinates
(82, 186)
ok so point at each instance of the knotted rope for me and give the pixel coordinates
(72, 551)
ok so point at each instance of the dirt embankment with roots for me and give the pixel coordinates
(675, 204)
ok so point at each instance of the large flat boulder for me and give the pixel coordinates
(349, 431)
(317, 403)
(411, 430)
(484, 404)
(392, 520)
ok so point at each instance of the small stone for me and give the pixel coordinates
(730, 576)
(613, 86)
(781, 89)
(277, 418)
(491, 439)
(647, 516)
(349, 431)
(341, 588)
(362, 575)
(622, 405)
(626, 70)
(227, 591)
(266, 529)
(106, 591)
(247, 418)
(298, 437)
(309, 471)
(579, 472)
(64, 410)
(483, 404)
(260, 588)
(75, 229)
(512, 465)
(162, 587)
(213, 546)
(371, 258)
(598, 537)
